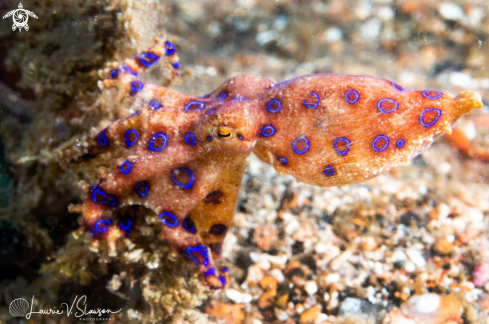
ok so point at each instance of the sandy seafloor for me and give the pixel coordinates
(410, 246)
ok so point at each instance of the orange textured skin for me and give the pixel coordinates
(193, 185)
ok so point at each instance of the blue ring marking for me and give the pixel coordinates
(312, 106)
(342, 139)
(181, 185)
(189, 225)
(210, 112)
(240, 137)
(268, 129)
(91, 232)
(218, 230)
(434, 121)
(379, 138)
(114, 73)
(199, 249)
(222, 96)
(128, 140)
(170, 48)
(166, 216)
(348, 93)
(329, 171)
(210, 272)
(102, 140)
(224, 270)
(110, 200)
(269, 106)
(143, 192)
(155, 103)
(125, 227)
(126, 167)
(136, 86)
(209, 138)
(379, 105)
(147, 59)
(437, 96)
(398, 87)
(190, 139)
(127, 69)
(400, 143)
(176, 65)
(101, 229)
(295, 143)
(283, 160)
(154, 138)
(222, 280)
(192, 103)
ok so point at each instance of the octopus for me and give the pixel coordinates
(183, 157)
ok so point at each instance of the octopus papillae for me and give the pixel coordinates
(184, 156)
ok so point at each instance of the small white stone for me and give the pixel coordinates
(281, 315)
(280, 260)
(460, 79)
(333, 34)
(386, 13)
(311, 287)
(476, 215)
(351, 306)
(399, 255)
(332, 278)
(278, 275)
(409, 267)
(134, 255)
(451, 11)
(443, 211)
(416, 257)
(371, 29)
(421, 304)
(266, 37)
(475, 17)
(423, 189)
(238, 297)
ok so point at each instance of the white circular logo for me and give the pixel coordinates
(20, 17)
(19, 307)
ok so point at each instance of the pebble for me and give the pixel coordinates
(443, 247)
(371, 29)
(350, 306)
(310, 315)
(278, 275)
(237, 296)
(460, 79)
(311, 287)
(416, 257)
(451, 11)
(386, 13)
(422, 304)
(333, 34)
(433, 309)
(281, 315)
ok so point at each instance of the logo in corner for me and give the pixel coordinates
(19, 307)
(20, 17)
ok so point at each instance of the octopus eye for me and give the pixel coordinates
(224, 132)
(223, 135)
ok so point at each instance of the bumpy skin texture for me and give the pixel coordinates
(185, 156)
